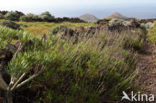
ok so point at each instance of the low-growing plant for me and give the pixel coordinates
(116, 21)
(93, 70)
(10, 24)
(1, 16)
(149, 25)
(135, 42)
(152, 34)
(58, 29)
(127, 23)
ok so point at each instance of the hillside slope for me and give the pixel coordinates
(89, 18)
(117, 15)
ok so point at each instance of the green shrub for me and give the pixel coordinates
(152, 34)
(127, 23)
(29, 17)
(12, 16)
(91, 71)
(1, 16)
(24, 18)
(135, 40)
(76, 70)
(116, 21)
(58, 29)
(46, 16)
(149, 25)
(10, 24)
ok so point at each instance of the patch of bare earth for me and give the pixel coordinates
(147, 71)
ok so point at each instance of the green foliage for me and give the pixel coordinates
(29, 17)
(152, 34)
(127, 23)
(1, 16)
(7, 34)
(93, 70)
(78, 69)
(116, 21)
(10, 24)
(148, 25)
(60, 28)
(46, 16)
(24, 18)
(12, 16)
(135, 42)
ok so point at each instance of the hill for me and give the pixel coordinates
(117, 15)
(89, 18)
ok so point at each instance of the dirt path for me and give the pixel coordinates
(147, 73)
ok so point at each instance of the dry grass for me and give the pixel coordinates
(41, 28)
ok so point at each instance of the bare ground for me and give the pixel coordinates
(147, 71)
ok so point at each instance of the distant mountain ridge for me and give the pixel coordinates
(89, 18)
(117, 15)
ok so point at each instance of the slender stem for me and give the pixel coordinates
(18, 81)
(12, 81)
(30, 78)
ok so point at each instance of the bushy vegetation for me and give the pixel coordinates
(60, 28)
(1, 16)
(15, 16)
(43, 17)
(46, 16)
(29, 17)
(93, 70)
(10, 24)
(116, 21)
(12, 16)
(148, 25)
(152, 34)
(136, 42)
(7, 34)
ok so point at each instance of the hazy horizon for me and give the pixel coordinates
(75, 8)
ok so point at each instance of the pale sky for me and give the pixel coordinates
(72, 8)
